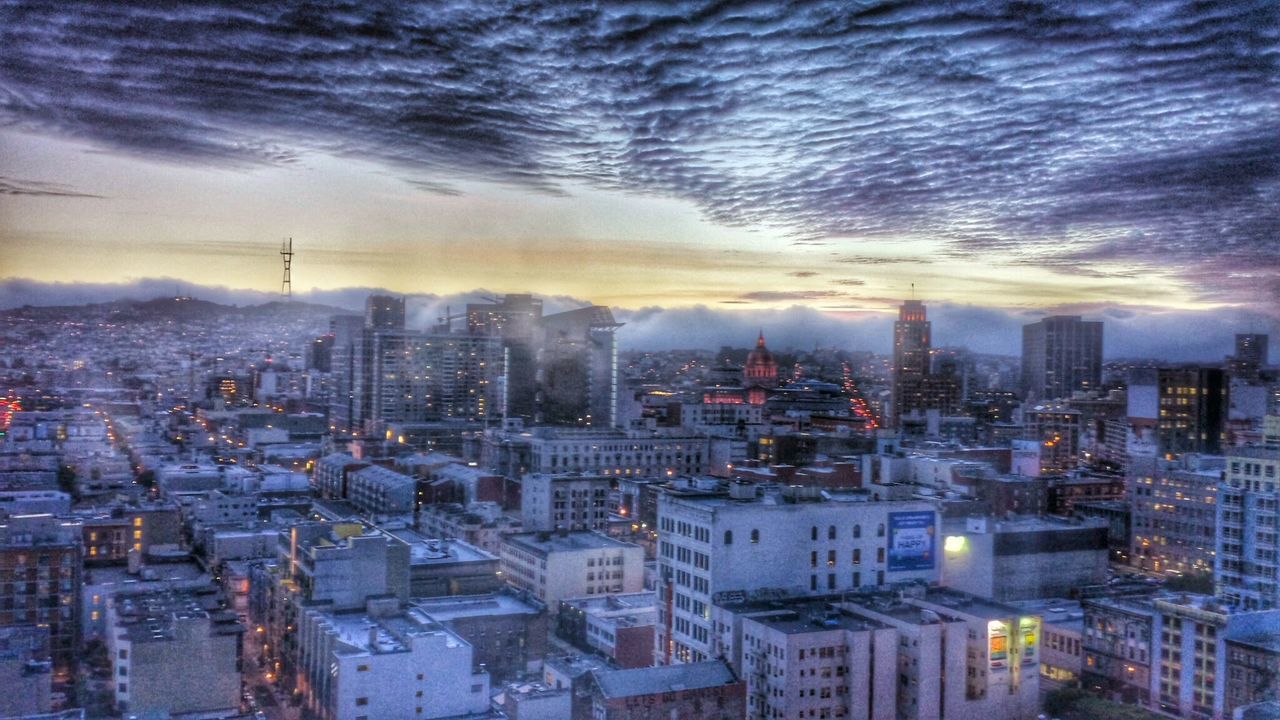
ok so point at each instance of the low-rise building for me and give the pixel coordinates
(569, 501)
(881, 655)
(1023, 558)
(696, 691)
(25, 671)
(619, 626)
(508, 634)
(380, 491)
(386, 661)
(176, 652)
(554, 566)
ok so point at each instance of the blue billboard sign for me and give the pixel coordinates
(913, 541)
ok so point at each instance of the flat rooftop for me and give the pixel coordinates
(1059, 612)
(445, 609)
(664, 679)
(568, 542)
(366, 634)
(429, 551)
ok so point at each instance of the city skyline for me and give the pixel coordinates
(1110, 161)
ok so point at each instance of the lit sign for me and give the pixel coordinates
(912, 541)
(997, 644)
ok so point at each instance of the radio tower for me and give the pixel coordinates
(286, 254)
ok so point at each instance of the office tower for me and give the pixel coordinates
(578, 368)
(1056, 430)
(421, 378)
(514, 320)
(320, 354)
(1177, 410)
(911, 343)
(344, 410)
(1251, 356)
(560, 369)
(41, 561)
(384, 312)
(1247, 569)
(1173, 508)
(1061, 355)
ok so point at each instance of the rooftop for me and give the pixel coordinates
(444, 609)
(664, 679)
(363, 633)
(544, 542)
(155, 616)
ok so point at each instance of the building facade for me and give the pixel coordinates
(1061, 355)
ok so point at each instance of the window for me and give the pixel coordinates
(813, 533)
(831, 533)
(728, 537)
(879, 554)
(857, 531)
(880, 530)
(362, 668)
(755, 536)
(857, 556)
(362, 701)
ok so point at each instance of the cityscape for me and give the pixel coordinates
(639, 361)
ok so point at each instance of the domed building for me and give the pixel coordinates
(760, 373)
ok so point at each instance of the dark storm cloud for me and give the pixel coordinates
(1071, 135)
(36, 188)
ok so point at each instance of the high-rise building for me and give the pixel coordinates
(384, 312)
(1174, 505)
(1247, 569)
(578, 368)
(1061, 355)
(1251, 356)
(514, 320)
(420, 378)
(560, 369)
(41, 561)
(343, 407)
(1178, 410)
(1056, 429)
(386, 374)
(911, 344)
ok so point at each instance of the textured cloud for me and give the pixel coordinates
(36, 188)
(1078, 136)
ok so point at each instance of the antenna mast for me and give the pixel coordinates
(286, 254)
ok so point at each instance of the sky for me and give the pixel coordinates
(797, 165)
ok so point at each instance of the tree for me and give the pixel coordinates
(67, 481)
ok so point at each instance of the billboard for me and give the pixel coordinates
(913, 540)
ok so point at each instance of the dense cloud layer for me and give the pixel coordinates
(1082, 136)
(1130, 332)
